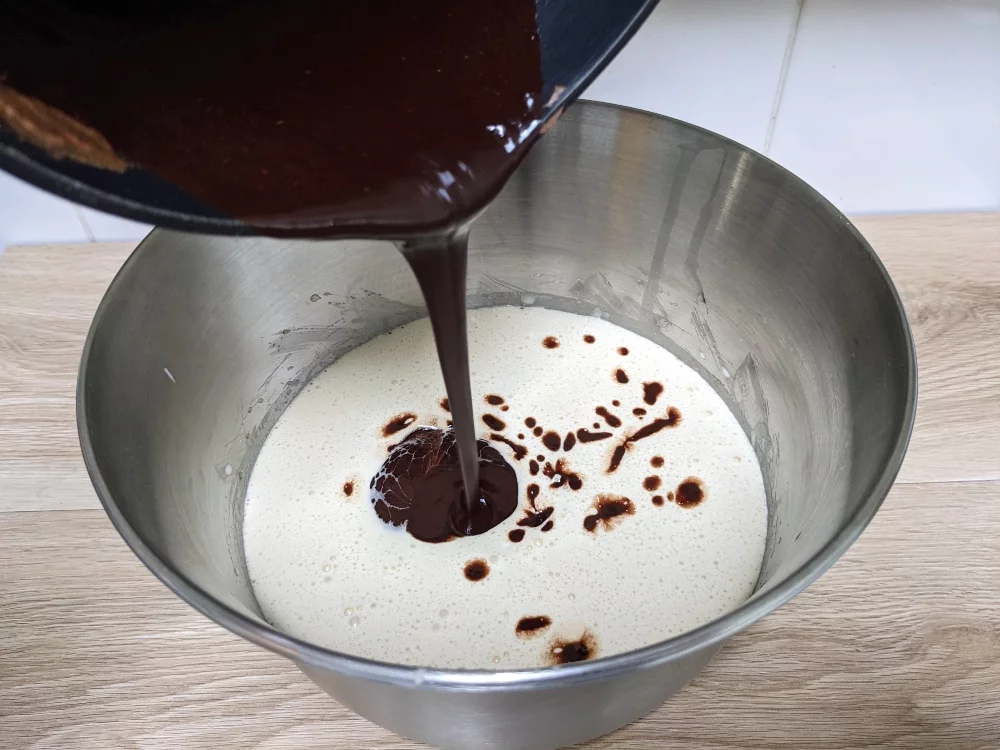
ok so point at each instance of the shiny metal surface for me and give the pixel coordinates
(684, 237)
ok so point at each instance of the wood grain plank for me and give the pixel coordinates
(48, 295)
(947, 270)
(898, 646)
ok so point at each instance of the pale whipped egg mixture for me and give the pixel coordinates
(668, 540)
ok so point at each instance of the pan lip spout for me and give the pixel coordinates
(697, 640)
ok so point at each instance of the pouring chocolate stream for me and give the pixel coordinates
(303, 119)
(306, 119)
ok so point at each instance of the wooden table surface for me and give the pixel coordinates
(898, 646)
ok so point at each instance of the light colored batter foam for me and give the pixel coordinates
(326, 569)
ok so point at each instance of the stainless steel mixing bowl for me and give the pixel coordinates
(686, 238)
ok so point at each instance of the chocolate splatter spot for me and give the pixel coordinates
(621, 376)
(399, 422)
(623, 350)
(515, 535)
(670, 496)
(616, 402)
(537, 432)
(420, 486)
(561, 474)
(505, 408)
(597, 425)
(533, 466)
(651, 392)
(520, 436)
(656, 462)
(586, 436)
(540, 457)
(552, 441)
(530, 422)
(567, 652)
(445, 405)
(520, 451)
(569, 441)
(616, 457)
(529, 626)
(607, 509)
(535, 518)
(494, 400)
(610, 418)
(657, 499)
(589, 339)
(494, 423)
(548, 525)
(348, 488)
(639, 411)
(476, 570)
(690, 492)
(672, 419)
(550, 342)
(652, 483)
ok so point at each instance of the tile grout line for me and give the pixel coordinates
(783, 75)
(84, 223)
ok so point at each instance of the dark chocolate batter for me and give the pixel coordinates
(296, 116)
(420, 486)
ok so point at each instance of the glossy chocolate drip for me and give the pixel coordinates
(440, 270)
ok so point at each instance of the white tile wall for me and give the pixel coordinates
(109, 228)
(883, 105)
(715, 63)
(895, 105)
(28, 214)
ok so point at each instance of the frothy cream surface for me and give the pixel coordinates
(326, 569)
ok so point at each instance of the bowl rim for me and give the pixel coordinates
(306, 654)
